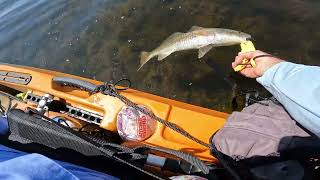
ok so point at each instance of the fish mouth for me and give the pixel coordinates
(250, 39)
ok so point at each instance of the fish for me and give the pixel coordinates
(197, 37)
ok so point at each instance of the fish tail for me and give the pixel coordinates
(144, 58)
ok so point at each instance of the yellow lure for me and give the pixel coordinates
(246, 46)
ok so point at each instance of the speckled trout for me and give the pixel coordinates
(197, 37)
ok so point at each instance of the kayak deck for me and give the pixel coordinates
(197, 121)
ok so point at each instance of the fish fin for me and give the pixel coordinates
(144, 58)
(162, 56)
(194, 28)
(204, 50)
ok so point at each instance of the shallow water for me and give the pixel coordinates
(102, 39)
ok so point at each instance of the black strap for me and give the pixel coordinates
(224, 163)
(222, 160)
(261, 56)
(184, 156)
(137, 168)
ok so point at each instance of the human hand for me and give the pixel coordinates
(262, 63)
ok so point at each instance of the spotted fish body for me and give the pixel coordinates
(196, 38)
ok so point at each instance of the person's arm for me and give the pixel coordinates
(296, 87)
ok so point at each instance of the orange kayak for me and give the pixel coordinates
(198, 121)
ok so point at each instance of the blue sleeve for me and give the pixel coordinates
(297, 88)
(20, 165)
(33, 166)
